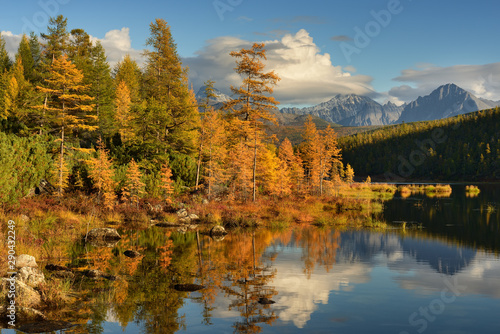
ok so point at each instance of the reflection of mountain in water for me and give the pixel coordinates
(363, 246)
(441, 257)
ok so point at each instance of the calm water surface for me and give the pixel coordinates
(442, 277)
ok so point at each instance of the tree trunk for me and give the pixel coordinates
(199, 164)
(61, 163)
(255, 161)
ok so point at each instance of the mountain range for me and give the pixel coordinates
(354, 110)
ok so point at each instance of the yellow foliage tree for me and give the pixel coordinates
(252, 104)
(291, 164)
(101, 172)
(66, 108)
(349, 174)
(122, 112)
(167, 184)
(134, 187)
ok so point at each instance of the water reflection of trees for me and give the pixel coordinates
(237, 268)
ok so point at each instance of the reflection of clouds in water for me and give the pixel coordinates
(482, 276)
(299, 297)
(416, 264)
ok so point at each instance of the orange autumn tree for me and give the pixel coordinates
(215, 150)
(167, 184)
(101, 173)
(291, 165)
(66, 108)
(253, 104)
(311, 153)
(134, 187)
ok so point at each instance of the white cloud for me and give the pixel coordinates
(11, 42)
(307, 75)
(481, 80)
(117, 44)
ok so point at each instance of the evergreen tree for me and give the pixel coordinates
(129, 72)
(56, 39)
(27, 60)
(171, 108)
(5, 62)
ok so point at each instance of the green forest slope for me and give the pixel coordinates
(466, 147)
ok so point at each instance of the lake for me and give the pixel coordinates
(437, 273)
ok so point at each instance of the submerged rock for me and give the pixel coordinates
(103, 233)
(266, 301)
(97, 274)
(188, 287)
(218, 231)
(55, 267)
(131, 253)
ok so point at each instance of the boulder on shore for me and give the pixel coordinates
(26, 296)
(25, 260)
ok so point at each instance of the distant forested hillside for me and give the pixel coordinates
(466, 147)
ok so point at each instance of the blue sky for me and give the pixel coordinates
(313, 43)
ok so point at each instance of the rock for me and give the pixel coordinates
(182, 213)
(217, 231)
(55, 267)
(24, 219)
(103, 233)
(26, 296)
(94, 273)
(131, 253)
(25, 260)
(44, 187)
(193, 217)
(167, 224)
(188, 287)
(266, 301)
(31, 276)
(103, 243)
(205, 201)
(59, 271)
(185, 220)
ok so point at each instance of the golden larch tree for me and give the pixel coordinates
(134, 187)
(123, 115)
(253, 104)
(167, 184)
(101, 173)
(67, 109)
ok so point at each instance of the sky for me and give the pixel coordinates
(389, 50)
